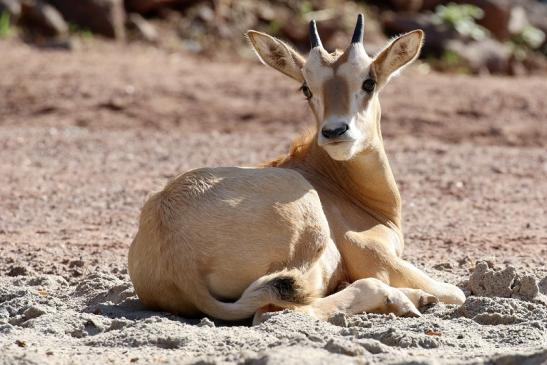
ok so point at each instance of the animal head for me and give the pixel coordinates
(341, 87)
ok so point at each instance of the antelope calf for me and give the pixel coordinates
(234, 242)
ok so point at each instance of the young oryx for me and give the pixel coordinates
(231, 242)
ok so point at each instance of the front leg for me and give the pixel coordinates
(368, 255)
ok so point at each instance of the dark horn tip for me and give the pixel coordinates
(314, 35)
(359, 30)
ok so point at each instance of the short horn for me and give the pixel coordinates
(314, 35)
(359, 30)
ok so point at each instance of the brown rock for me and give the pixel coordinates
(106, 17)
(42, 19)
(145, 30)
(13, 7)
(497, 14)
(484, 56)
(144, 6)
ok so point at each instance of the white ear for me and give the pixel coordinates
(273, 52)
(398, 54)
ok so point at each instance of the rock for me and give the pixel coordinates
(339, 319)
(436, 34)
(344, 347)
(486, 281)
(76, 263)
(484, 55)
(13, 7)
(105, 17)
(17, 271)
(373, 346)
(414, 5)
(497, 14)
(145, 30)
(543, 286)
(206, 322)
(34, 312)
(526, 288)
(41, 19)
(144, 6)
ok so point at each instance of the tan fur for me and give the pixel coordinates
(232, 242)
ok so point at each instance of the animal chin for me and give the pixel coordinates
(340, 150)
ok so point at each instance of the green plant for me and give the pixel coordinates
(5, 24)
(462, 17)
(274, 27)
(79, 31)
(450, 61)
(530, 37)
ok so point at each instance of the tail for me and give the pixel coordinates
(285, 289)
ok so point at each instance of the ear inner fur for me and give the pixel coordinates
(276, 54)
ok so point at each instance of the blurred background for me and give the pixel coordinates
(464, 36)
(102, 101)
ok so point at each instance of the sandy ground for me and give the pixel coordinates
(86, 136)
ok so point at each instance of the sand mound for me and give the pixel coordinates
(506, 283)
(44, 319)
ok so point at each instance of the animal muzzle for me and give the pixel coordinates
(333, 131)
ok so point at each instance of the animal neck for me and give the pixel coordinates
(367, 179)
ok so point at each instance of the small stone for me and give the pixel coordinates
(145, 29)
(34, 312)
(373, 346)
(542, 285)
(206, 322)
(76, 263)
(443, 266)
(339, 319)
(526, 288)
(344, 347)
(17, 271)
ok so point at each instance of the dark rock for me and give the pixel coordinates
(497, 14)
(484, 56)
(39, 18)
(145, 6)
(543, 286)
(76, 263)
(436, 35)
(414, 5)
(105, 17)
(144, 29)
(17, 271)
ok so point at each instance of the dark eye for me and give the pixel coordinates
(306, 91)
(368, 85)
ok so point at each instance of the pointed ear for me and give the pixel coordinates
(277, 54)
(398, 54)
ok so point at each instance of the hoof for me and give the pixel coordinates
(412, 313)
(427, 300)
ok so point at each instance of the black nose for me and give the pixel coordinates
(336, 132)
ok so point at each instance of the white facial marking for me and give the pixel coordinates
(354, 71)
(347, 145)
